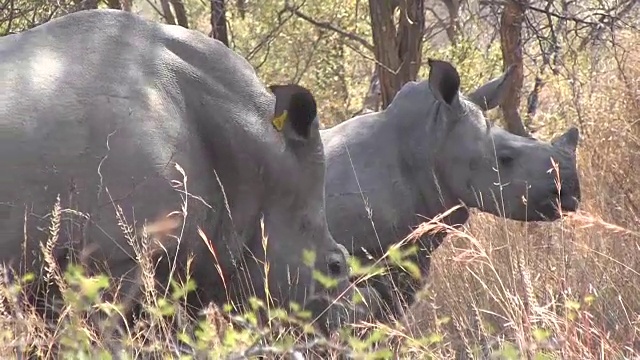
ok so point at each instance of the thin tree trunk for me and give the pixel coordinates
(372, 99)
(181, 13)
(397, 50)
(114, 4)
(87, 4)
(126, 5)
(242, 8)
(511, 44)
(219, 21)
(168, 14)
(452, 28)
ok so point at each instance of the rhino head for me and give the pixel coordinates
(492, 169)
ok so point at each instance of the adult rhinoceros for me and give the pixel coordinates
(99, 106)
(430, 150)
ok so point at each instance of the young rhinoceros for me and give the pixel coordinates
(430, 150)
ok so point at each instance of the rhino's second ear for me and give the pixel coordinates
(492, 93)
(568, 140)
(444, 80)
(295, 110)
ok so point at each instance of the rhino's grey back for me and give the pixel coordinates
(127, 57)
(79, 115)
(366, 182)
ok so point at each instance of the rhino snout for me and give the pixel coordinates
(570, 201)
(337, 262)
(569, 195)
(568, 198)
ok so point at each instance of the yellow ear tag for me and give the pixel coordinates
(279, 121)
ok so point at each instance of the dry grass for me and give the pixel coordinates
(570, 289)
(575, 284)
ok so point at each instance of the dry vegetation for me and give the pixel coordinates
(569, 290)
(573, 283)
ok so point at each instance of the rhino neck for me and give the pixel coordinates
(437, 197)
(420, 134)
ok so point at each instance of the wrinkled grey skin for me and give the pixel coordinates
(430, 150)
(101, 105)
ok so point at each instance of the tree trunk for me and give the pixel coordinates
(219, 21)
(511, 45)
(453, 8)
(372, 100)
(397, 50)
(242, 8)
(126, 5)
(181, 13)
(114, 4)
(87, 4)
(168, 14)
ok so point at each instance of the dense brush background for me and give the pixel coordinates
(569, 289)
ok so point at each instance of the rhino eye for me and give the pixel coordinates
(505, 160)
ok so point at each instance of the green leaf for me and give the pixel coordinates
(540, 334)
(309, 257)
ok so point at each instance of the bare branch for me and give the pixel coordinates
(329, 26)
(308, 57)
(550, 57)
(155, 8)
(603, 16)
(597, 31)
(266, 41)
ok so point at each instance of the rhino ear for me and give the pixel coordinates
(444, 80)
(568, 140)
(492, 93)
(295, 110)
